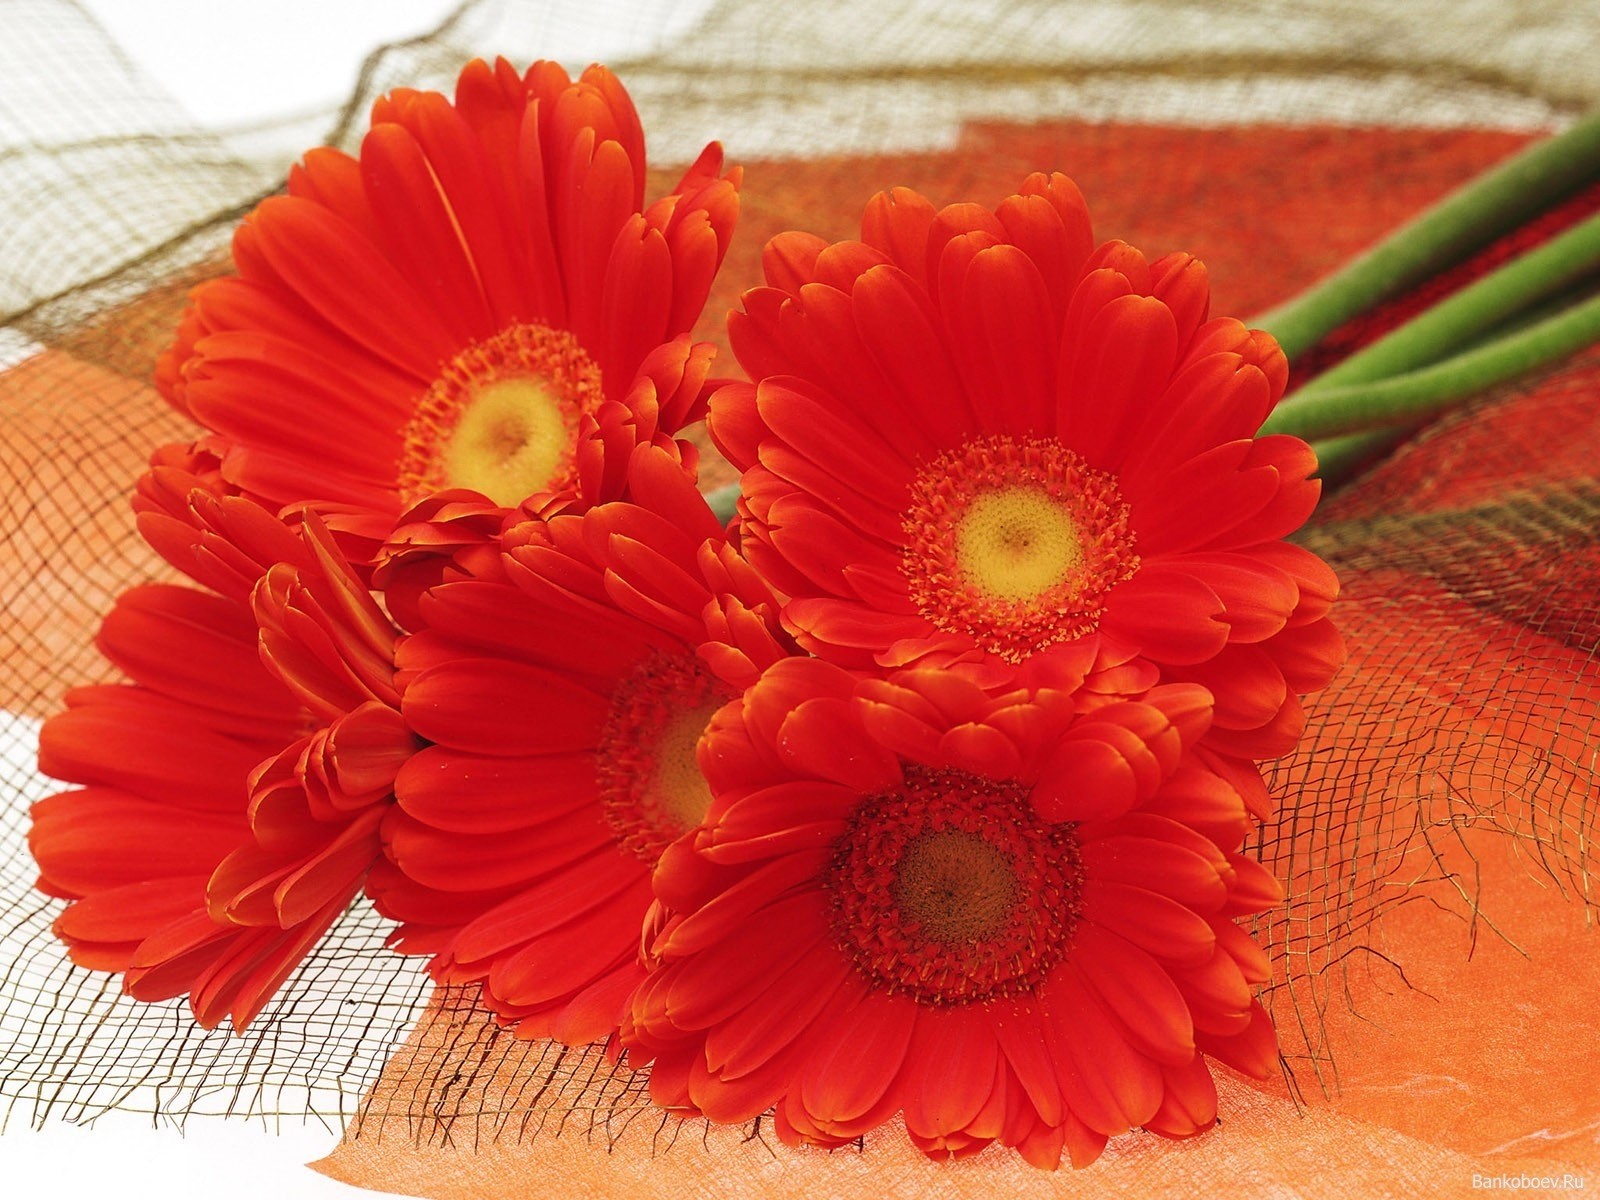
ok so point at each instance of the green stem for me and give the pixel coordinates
(1458, 320)
(723, 501)
(1408, 398)
(1496, 201)
(1340, 458)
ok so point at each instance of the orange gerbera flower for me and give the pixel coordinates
(564, 691)
(973, 441)
(466, 305)
(235, 786)
(1006, 919)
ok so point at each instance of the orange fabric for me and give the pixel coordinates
(1477, 1060)
(1488, 1055)
(74, 431)
(1266, 1149)
(1478, 1068)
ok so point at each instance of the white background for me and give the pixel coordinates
(232, 62)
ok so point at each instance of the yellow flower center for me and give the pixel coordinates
(950, 890)
(1015, 542)
(681, 793)
(955, 885)
(651, 787)
(502, 418)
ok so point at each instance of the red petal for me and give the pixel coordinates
(1190, 1103)
(1004, 333)
(950, 1071)
(1254, 1051)
(1158, 866)
(494, 707)
(1166, 615)
(853, 1062)
(1116, 359)
(1019, 1030)
(462, 793)
(1107, 1083)
(98, 838)
(1150, 920)
(783, 1012)
(896, 222)
(419, 233)
(825, 739)
(132, 912)
(1138, 992)
(336, 272)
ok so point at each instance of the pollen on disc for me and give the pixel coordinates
(651, 787)
(502, 418)
(949, 889)
(1017, 542)
(510, 440)
(956, 885)
(680, 787)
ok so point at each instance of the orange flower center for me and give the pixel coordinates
(502, 418)
(651, 787)
(952, 891)
(1015, 542)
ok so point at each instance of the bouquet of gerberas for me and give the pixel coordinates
(914, 792)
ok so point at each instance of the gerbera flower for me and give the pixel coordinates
(463, 306)
(1006, 919)
(235, 786)
(973, 440)
(564, 693)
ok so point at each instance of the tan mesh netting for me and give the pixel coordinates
(1436, 828)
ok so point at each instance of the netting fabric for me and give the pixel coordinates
(1441, 812)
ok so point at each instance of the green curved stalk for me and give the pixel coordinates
(1457, 321)
(724, 501)
(1341, 458)
(1496, 201)
(1406, 399)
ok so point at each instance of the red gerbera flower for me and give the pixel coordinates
(564, 693)
(235, 786)
(1008, 920)
(465, 305)
(973, 439)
